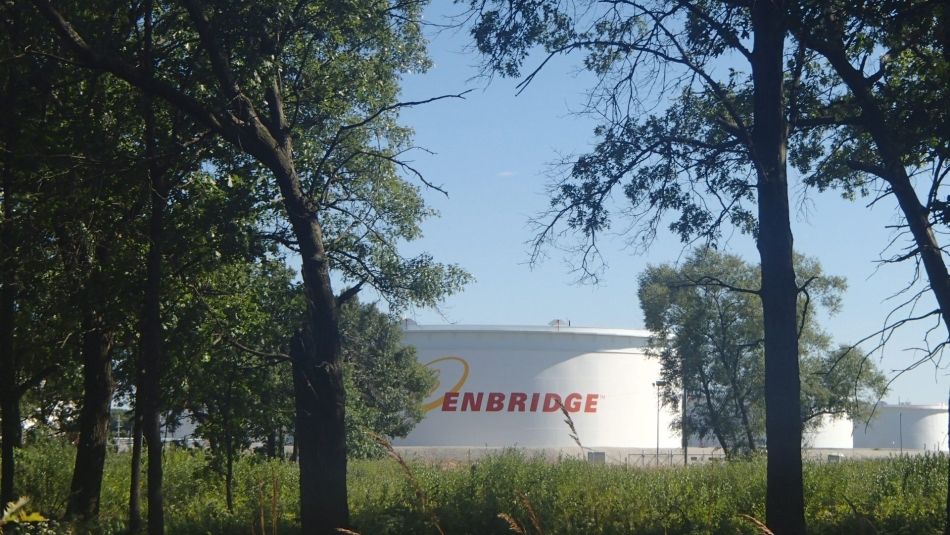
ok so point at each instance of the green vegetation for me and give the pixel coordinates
(709, 337)
(163, 163)
(897, 495)
(845, 92)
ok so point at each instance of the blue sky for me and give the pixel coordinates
(493, 153)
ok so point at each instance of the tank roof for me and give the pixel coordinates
(904, 405)
(555, 329)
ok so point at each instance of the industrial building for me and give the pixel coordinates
(904, 426)
(505, 386)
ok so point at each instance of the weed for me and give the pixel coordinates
(394, 496)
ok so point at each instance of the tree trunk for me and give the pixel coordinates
(10, 407)
(135, 482)
(270, 441)
(281, 443)
(229, 474)
(93, 420)
(152, 435)
(151, 329)
(714, 413)
(317, 368)
(9, 365)
(227, 423)
(738, 397)
(270, 445)
(931, 255)
(320, 440)
(785, 503)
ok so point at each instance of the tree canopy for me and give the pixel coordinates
(707, 321)
(702, 168)
(289, 124)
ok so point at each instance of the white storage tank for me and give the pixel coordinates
(505, 386)
(904, 427)
(830, 432)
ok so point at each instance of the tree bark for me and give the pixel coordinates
(9, 365)
(270, 445)
(321, 450)
(152, 435)
(785, 504)
(94, 416)
(151, 327)
(10, 407)
(316, 354)
(135, 481)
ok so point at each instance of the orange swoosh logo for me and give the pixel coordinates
(436, 403)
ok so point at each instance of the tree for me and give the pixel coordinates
(199, 224)
(885, 80)
(313, 83)
(730, 154)
(84, 216)
(92, 247)
(708, 325)
(240, 399)
(386, 385)
(240, 348)
(883, 74)
(25, 265)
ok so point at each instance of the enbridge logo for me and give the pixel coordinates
(454, 400)
(463, 376)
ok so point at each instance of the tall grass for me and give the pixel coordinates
(898, 495)
(194, 493)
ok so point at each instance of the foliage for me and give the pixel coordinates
(700, 167)
(709, 340)
(671, 145)
(385, 383)
(879, 119)
(229, 390)
(906, 90)
(892, 495)
(243, 397)
(287, 130)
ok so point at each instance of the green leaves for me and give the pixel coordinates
(708, 322)
(385, 383)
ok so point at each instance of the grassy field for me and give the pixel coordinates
(899, 495)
